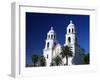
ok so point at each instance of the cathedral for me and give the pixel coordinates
(53, 47)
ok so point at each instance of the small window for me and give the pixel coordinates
(69, 39)
(51, 36)
(48, 45)
(54, 36)
(72, 30)
(48, 36)
(69, 30)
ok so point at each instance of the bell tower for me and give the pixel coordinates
(70, 39)
(51, 37)
(49, 44)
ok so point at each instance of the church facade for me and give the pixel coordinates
(53, 48)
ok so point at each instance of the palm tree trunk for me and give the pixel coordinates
(66, 60)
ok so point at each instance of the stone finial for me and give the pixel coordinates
(51, 28)
(71, 22)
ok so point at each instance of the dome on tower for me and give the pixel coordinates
(71, 24)
(51, 30)
(51, 34)
(71, 27)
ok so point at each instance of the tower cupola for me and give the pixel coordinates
(71, 28)
(51, 34)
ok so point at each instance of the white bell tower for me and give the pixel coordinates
(49, 44)
(70, 40)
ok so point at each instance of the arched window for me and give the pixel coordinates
(48, 36)
(72, 30)
(51, 36)
(48, 45)
(69, 39)
(69, 30)
(54, 36)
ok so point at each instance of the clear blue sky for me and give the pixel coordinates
(38, 24)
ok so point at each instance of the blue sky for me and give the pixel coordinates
(38, 24)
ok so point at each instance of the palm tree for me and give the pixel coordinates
(86, 59)
(66, 52)
(57, 60)
(34, 59)
(42, 61)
